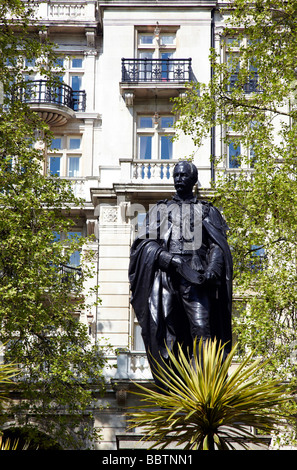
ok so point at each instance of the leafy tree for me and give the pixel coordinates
(251, 103)
(58, 365)
(205, 406)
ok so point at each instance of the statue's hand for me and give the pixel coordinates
(210, 276)
(177, 261)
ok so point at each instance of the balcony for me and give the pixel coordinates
(152, 171)
(251, 85)
(147, 171)
(68, 13)
(55, 104)
(69, 274)
(147, 77)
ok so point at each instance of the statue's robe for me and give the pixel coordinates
(154, 298)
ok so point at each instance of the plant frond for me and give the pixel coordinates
(206, 405)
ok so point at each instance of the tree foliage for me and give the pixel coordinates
(251, 103)
(58, 365)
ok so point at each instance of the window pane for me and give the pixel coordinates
(73, 167)
(59, 62)
(166, 147)
(56, 143)
(233, 42)
(55, 164)
(253, 157)
(76, 82)
(145, 122)
(167, 40)
(56, 236)
(145, 66)
(140, 219)
(138, 341)
(145, 55)
(76, 63)
(146, 39)
(30, 62)
(58, 90)
(74, 257)
(74, 143)
(145, 146)
(234, 152)
(167, 65)
(167, 121)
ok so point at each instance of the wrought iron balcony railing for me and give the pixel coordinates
(251, 85)
(40, 91)
(156, 70)
(69, 274)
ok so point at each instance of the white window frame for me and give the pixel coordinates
(65, 153)
(67, 71)
(156, 48)
(156, 132)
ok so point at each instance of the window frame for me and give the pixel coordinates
(156, 47)
(65, 153)
(156, 132)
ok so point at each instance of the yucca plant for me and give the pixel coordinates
(7, 374)
(7, 444)
(207, 406)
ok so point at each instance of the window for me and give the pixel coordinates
(56, 143)
(154, 136)
(232, 58)
(76, 82)
(29, 62)
(64, 156)
(74, 259)
(73, 167)
(241, 153)
(166, 148)
(145, 147)
(138, 344)
(55, 166)
(167, 39)
(76, 63)
(155, 44)
(59, 62)
(73, 75)
(257, 258)
(146, 39)
(70, 271)
(233, 155)
(150, 49)
(74, 143)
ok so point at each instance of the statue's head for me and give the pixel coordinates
(185, 176)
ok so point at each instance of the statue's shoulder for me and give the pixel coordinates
(214, 216)
(163, 201)
(206, 207)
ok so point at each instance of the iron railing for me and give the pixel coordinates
(157, 70)
(41, 91)
(251, 85)
(69, 274)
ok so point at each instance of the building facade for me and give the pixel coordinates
(112, 121)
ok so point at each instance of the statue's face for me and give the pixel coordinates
(183, 179)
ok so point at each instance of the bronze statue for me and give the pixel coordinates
(181, 272)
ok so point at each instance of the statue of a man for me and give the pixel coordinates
(181, 272)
